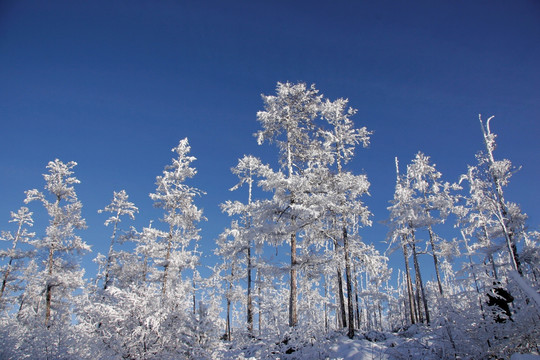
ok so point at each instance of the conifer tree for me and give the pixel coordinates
(119, 206)
(344, 202)
(176, 198)
(247, 169)
(288, 119)
(61, 243)
(433, 202)
(14, 255)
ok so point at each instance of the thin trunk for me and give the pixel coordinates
(194, 297)
(341, 296)
(9, 267)
(350, 309)
(356, 298)
(228, 324)
(166, 267)
(510, 243)
(249, 296)
(471, 265)
(491, 260)
(410, 291)
(435, 258)
(501, 205)
(293, 316)
(380, 315)
(4, 281)
(325, 304)
(109, 255)
(432, 243)
(418, 300)
(48, 296)
(419, 283)
(260, 299)
(293, 295)
(145, 269)
(249, 300)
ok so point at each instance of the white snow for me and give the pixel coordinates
(531, 293)
(346, 348)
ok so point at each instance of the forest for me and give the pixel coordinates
(326, 286)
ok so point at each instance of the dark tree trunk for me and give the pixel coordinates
(419, 283)
(249, 297)
(350, 309)
(410, 291)
(293, 316)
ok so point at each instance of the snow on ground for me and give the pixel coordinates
(414, 343)
(346, 348)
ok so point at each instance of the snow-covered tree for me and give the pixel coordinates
(402, 234)
(61, 245)
(343, 200)
(433, 202)
(11, 281)
(176, 198)
(288, 119)
(247, 169)
(119, 206)
(495, 222)
(500, 172)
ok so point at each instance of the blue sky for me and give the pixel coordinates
(114, 85)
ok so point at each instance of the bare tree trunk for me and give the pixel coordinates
(491, 260)
(194, 297)
(50, 263)
(435, 258)
(325, 304)
(249, 297)
(48, 296)
(410, 291)
(293, 316)
(350, 309)
(260, 299)
(166, 267)
(356, 298)
(109, 255)
(380, 316)
(8, 270)
(341, 296)
(228, 324)
(419, 283)
(4, 281)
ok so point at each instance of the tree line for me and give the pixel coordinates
(149, 300)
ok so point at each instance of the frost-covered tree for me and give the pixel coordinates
(500, 172)
(176, 198)
(343, 200)
(488, 216)
(230, 247)
(148, 311)
(402, 234)
(247, 169)
(11, 283)
(61, 245)
(315, 200)
(433, 202)
(119, 206)
(288, 119)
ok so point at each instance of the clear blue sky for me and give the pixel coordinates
(114, 85)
